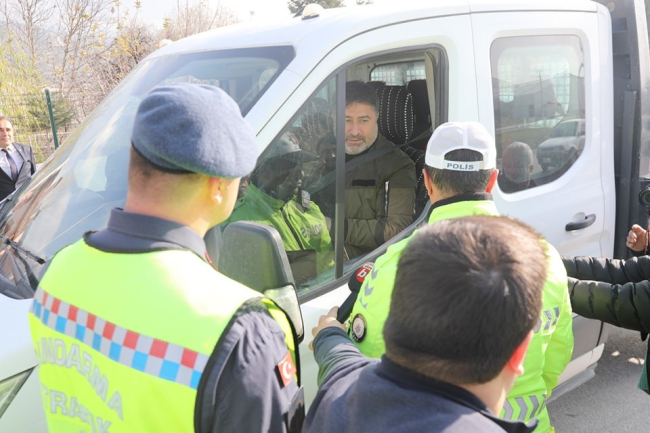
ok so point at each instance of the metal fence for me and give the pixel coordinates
(32, 116)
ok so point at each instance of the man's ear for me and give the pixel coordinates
(216, 189)
(428, 184)
(516, 362)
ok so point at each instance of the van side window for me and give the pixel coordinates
(293, 187)
(539, 108)
(276, 193)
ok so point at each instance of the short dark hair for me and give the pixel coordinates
(460, 182)
(467, 293)
(358, 91)
(141, 170)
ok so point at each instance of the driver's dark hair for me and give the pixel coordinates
(453, 182)
(467, 293)
(358, 91)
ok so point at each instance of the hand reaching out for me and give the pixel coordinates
(636, 238)
(326, 321)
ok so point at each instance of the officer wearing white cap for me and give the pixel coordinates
(134, 328)
(460, 171)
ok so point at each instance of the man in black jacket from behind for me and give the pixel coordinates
(615, 291)
(468, 294)
(17, 162)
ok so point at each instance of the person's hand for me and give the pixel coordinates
(636, 238)
(327, 321)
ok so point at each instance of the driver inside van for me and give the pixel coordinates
(274, 197)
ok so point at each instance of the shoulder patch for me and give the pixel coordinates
(358, 328)
(286, 369)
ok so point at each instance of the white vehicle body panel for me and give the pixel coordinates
(325, 47)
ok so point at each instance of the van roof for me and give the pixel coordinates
(334, 26)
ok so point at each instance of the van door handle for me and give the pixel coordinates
(589, 220)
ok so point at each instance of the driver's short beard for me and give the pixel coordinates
(361, 149)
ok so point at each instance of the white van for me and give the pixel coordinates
(518, 67)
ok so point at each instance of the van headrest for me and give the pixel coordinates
(395, 113)
(418, 90)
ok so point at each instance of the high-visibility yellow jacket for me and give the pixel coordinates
(124, 339)
(552, 344)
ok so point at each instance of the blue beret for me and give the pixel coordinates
(194, 128)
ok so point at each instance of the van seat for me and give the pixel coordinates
(396, 124)
(421, 113)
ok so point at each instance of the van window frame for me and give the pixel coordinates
(342, 273)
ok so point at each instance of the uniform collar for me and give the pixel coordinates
(410, 379)
(129, 226)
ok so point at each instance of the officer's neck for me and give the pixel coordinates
(185, 215)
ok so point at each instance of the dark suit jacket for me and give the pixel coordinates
(7, 186)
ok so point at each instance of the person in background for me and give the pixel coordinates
(441, 372)
(134, 328)
(16, 161)
(460, 170)
(516, 168)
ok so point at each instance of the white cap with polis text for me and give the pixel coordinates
(461, 135)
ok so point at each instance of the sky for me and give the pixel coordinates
(154, 11)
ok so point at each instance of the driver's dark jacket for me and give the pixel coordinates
(614, 291)
(239, 389)
(379, 197)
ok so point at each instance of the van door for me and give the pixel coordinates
(356, 59)
(544, 82)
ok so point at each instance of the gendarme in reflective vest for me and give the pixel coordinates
(112, 366)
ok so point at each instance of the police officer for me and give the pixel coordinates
(135, 330)
(274, 197)
(460, 164)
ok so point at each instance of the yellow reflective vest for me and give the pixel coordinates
(124, 338)
(550, 349)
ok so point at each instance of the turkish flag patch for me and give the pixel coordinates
(286, 369)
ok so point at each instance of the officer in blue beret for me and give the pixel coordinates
(151, 336)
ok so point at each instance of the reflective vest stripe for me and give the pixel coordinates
(526, 412)
(143, 353)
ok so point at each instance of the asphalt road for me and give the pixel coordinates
(610, 402)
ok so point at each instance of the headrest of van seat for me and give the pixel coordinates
(395, 113)
(418, 90)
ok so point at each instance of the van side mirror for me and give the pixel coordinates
(253, 255)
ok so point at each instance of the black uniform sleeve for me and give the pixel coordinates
(241, 389)
(614, 271)
(626, 306)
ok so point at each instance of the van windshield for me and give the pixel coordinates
(86, 177)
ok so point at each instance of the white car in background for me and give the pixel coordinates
(566, 142)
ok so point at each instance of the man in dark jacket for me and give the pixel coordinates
(380, 192)
(441, 372)
(615, 291)
(16, 160)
